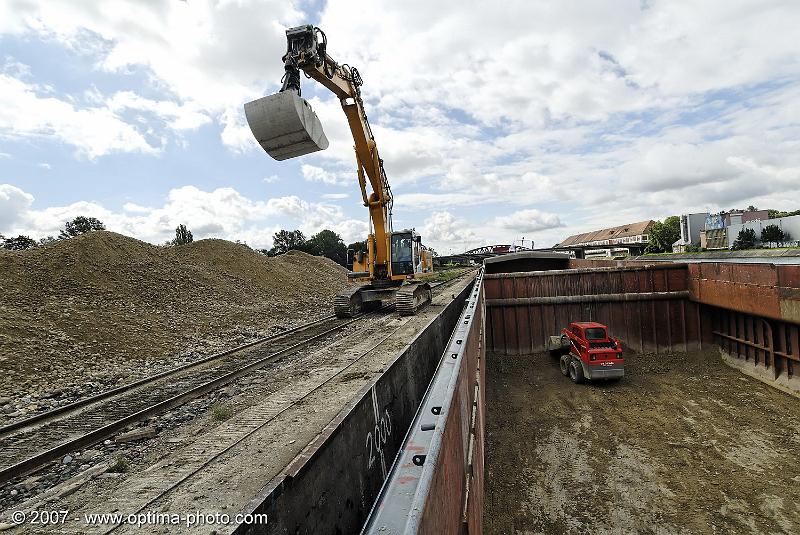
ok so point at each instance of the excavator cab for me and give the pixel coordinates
(406, 253)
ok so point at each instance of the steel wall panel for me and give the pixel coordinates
(652, 326)
(763, 342)
(758, 289)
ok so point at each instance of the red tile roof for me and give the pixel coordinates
(622, 231)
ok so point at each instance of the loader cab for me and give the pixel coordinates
(405, 251)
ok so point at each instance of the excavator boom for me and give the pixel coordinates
(286, 127)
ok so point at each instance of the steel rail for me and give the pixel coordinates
(47, 415)
(97, 434)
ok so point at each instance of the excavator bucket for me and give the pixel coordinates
(285, 125)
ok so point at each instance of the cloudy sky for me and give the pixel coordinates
(538, 119)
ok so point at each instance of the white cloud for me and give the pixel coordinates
(443, 229)
(236, 134)
(597, 110)
(13, 204)
(45, 165)
(223, 213)
(312, 173)
(133, 207)
(94, 131)
(528, 221)
(335, 196)
(620, 111)
(271, 179)
(179, 117)
(312, 217)
(213, 56)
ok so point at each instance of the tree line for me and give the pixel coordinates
(325, 243)
(771, 234)
(76, 227)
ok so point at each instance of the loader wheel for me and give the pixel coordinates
(576, 371)
(565, 365)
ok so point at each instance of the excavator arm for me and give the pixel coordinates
(286, 126)
(307, 53)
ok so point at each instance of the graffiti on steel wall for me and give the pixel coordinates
(379, 435)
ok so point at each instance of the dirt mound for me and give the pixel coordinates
(102, 308)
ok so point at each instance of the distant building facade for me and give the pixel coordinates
(623, 240)
(692, 225)
(737, 218)
(719, 231)
(714, 234)
(789, 225)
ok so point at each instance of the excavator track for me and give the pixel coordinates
(347, 303)
(412, 297)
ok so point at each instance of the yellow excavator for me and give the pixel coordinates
(286, 127)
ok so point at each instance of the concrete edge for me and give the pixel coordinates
(783, 383)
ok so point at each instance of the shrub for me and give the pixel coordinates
(182, 236)
(745, 240)
(81, 225)
(19, 243)
(773, 234)
(120, 466)
(220, 412)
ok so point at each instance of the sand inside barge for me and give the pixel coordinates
(683, 444)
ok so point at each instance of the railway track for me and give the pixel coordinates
(30, 444)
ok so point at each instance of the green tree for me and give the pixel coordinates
(286, 240)
(329, 244)
(745, 240)
(81, 225)
(662, 235)
(773, 234)
(775, 214)
(752, 208)
(358, 246)
(182, 235)
(19, 243)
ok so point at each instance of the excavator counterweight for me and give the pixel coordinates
(285, 125)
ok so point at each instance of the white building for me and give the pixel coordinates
(691, 226)
(790, 225)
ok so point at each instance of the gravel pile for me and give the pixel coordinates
(83, 315)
